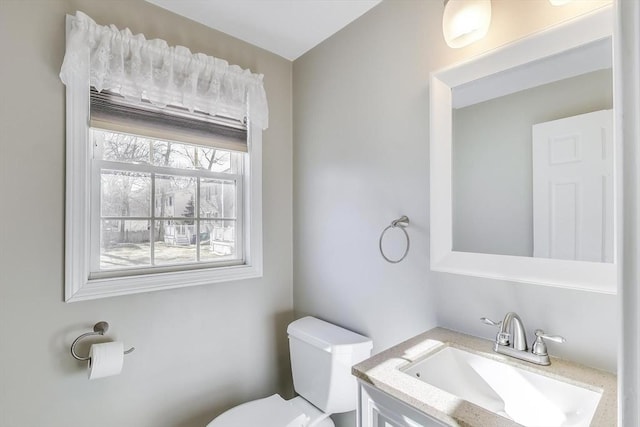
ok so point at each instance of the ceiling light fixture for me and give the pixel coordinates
(465, 21)
(559, 2)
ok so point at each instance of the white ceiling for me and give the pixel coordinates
(288, 28)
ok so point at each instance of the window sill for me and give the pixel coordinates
(101, 288)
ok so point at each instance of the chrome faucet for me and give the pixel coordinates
(512, 340)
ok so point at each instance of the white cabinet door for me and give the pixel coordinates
(378, 409)
(573, 188)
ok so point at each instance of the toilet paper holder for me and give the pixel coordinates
(98, 329)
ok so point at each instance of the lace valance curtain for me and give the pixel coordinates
(138, 68)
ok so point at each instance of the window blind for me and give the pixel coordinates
(113, 112)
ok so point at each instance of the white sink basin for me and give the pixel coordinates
(525, 397)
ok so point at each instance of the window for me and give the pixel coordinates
(158, 213)
(163, 165)
(162, 205)
(140, 229)
(146, 213)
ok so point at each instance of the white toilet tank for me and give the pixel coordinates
(321, 358)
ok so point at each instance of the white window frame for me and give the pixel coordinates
(78, 284)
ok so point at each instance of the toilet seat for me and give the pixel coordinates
(272, 411)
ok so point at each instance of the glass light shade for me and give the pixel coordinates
(465, 21)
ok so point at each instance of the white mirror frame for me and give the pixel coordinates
(590, 276)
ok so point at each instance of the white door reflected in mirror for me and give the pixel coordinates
(573, 188)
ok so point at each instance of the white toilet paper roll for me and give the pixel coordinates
(106, 359)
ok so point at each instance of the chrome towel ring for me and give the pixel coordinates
(402, 223)
(98, 329)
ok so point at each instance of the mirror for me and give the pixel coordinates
(533, 169)
(523, 160)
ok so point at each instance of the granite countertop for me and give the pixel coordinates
(381, 371)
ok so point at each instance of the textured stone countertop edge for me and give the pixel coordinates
(381, 371)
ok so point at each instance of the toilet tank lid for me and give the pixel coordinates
(328, 336)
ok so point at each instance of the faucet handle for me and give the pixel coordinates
(539, 346)
(557, 338)
(502, 338)
(490, 322)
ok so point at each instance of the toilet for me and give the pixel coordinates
(321, 358)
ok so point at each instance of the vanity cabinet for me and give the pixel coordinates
(378, 409)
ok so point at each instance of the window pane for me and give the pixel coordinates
(125, 193)
(175, 242)
(229, 199)
(217, 160)
(217, 198)
(120, 147)
(175, 196)
(124, 244)
(220, 240)
(173, 155)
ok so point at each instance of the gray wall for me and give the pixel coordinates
(629, 407)
(360, 161)
(492, 160)
(198, 350)
(361, 156)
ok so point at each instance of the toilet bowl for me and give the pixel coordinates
(321, 358)
(273, 411)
